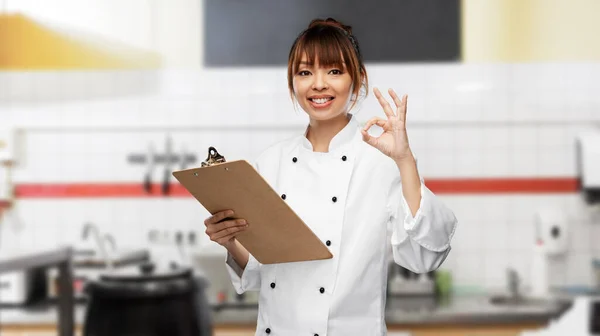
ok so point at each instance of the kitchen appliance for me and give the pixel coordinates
(552, 230)
(403, 282)
(88, 264)
(582, 319)
(22, 287)
(588, 165)
(147, 300)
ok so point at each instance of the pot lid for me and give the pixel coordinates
(148, 272)
(145, 281)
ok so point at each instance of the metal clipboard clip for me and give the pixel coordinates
(213, 158)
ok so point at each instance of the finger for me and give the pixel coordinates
(227, 232)
(227, 238)
(223, 240)
(400, 104)
(374, 121)
(219, 216)
(368, 138)
(396, 99)
(404, 108)
(225, 225)
(387, 109)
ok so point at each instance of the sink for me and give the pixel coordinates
(521, 301)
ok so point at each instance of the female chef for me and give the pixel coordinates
(352, 189)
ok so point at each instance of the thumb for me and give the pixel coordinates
(368, 138)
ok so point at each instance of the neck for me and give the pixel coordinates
(320, 132)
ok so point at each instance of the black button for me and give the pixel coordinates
(283, 196)
(316, 334)
(268, 330)
(328, 243)
(322, 290)
(344, 158)
(272, 285)
(334, 199)
(295, 159)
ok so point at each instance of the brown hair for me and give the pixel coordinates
(331, 43)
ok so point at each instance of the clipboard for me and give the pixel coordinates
(275, 234)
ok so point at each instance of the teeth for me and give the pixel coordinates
(320, 100)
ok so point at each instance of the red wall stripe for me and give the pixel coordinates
(95, 190)
(503, 185)
(438, 186)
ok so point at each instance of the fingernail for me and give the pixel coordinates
(242, 221)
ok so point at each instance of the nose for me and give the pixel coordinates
(319, 82)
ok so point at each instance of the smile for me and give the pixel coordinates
(320, 102)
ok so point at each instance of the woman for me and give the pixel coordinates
(351, 189)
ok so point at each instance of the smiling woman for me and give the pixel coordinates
(327, 176)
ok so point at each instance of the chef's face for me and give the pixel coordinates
(323, 92)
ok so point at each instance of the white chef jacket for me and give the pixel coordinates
(351, 197)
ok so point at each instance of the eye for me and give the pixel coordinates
(304, 73)
(335, 72)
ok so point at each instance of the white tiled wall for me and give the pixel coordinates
(501, 120)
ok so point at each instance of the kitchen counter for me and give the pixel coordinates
(400, 312)
(466, 310)
(59, 258)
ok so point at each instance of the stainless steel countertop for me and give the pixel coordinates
(60, 258)
(462, 310)
(399, 312)
(19, 260)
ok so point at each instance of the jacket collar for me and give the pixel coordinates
(343, 137)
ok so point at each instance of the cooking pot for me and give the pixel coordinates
(147, 301)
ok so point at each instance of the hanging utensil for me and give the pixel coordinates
(166, 186)
(151, 164)
(187, 158)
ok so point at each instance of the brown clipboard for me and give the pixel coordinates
(275, 234)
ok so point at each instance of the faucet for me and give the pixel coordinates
(92, 228)
(514, 282)
(111, 239)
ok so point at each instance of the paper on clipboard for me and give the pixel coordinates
(275, 234)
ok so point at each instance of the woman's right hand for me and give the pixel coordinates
(222, 229)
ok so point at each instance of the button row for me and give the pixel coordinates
(295, 159)
(268, 331)
(333, 199)
(322, 289)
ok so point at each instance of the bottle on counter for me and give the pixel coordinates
(539, 270)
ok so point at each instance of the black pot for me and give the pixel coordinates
(147, 302)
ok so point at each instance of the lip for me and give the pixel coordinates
(320, 96)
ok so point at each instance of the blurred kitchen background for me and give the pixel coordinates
(100, 100)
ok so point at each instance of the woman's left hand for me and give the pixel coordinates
(393, 142)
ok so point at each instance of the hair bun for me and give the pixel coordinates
(330, 22)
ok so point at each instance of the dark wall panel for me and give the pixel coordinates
(261, 32)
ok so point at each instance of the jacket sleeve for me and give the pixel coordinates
(420, 243)
(247, 279)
